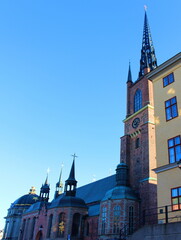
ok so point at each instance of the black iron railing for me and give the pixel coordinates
(160, 215)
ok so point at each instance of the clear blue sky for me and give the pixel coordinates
(63, 68)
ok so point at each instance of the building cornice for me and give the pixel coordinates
(163, 66)
(166, 167)
(139, 111)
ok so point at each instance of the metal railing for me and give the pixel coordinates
(161, 215)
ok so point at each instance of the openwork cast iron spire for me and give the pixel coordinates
(148, 58)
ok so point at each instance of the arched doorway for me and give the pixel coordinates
(39, 235)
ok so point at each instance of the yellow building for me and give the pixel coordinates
(166, 80)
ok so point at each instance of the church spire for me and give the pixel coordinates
(45, 190)
(59, 185)
(148, 60)
(129, 74)
(71, 183)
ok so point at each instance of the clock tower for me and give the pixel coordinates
(138, 143)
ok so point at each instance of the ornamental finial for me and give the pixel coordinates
(145, 7)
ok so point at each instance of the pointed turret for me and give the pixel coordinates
(129, 74)
(59, 185)
(45, 190)
(129, 84)
(71, 183)
(148, 60)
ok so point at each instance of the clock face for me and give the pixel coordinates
(135, 122)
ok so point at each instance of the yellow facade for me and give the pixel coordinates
(169, 174)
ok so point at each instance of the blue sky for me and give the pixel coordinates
(63, 68)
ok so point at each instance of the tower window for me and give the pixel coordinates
(176, 198)
(168, 79)
(174, 149)
(171, 108)
(137, 100)
(137, 143)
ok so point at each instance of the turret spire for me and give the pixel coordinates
(59, 185)
(129, 74)
(148, 60)
(45, 190)
(71, 183)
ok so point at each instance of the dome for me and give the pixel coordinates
(120, 192)
(26, 200)
(70, 201)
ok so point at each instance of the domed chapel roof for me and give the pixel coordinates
(26, 200)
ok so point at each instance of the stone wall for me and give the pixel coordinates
(170, 231)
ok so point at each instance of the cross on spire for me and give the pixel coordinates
(74, 156)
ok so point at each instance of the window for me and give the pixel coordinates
(32, 227)
(171, 108)
(176, 198)
(87, 229)
(116, 219)
(76, 225)
(168, 80)
(103, 230)
(137, 100)
(61, 225)
(137, 143)
(174, 149)
(131, 215)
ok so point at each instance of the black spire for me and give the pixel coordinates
(148, 58)
(129, 74)
(71, 183)
(45, 190)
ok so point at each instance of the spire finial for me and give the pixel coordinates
(145, 8)
(74, 156)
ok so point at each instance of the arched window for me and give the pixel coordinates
(61, 225)
(131, 221)
(32, 227)
(87, 229)
(104, 215)
(137, 143)
(137, 100)
(22, 230)
(49, 225)
(116, 212)
(76, 225)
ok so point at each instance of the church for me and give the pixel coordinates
(113, 207)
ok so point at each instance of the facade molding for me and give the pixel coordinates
(139, 111)
(166, 167)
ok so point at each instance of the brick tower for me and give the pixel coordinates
(138, 142)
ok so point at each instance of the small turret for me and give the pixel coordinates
(45, 190)
(129, 84)
(71, 183)
(59, 185)
(129, 80)
(122, 175)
